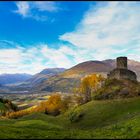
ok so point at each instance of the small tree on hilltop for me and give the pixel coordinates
(88, 85)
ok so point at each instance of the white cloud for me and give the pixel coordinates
(12, 55)
(33, 59)
(46, 6)
(34, 9)
(107, 29)
(57, 57)
(23, 8)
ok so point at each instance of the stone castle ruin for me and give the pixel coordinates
(121, 72)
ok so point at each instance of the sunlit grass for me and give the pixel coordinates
(102, 119)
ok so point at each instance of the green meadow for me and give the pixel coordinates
(118, 118)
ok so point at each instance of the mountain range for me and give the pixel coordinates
(13, 78)
(70, 78)
(64, 80)
(42, 76)
(31, 82)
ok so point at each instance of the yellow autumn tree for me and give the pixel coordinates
(88, 85)
(56, 104)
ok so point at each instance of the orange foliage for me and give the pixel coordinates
(89, 84)
(17, 114)
(55, 105)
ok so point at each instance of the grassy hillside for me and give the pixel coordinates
(100, 119)
(114, 89)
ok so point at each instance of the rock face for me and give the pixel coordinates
(121, 72)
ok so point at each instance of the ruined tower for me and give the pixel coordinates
(122, 62)
(121, 71)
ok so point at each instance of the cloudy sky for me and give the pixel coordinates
(38, 35)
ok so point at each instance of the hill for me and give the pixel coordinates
(115, 88)
(70, 78)
(100, 119)
(43, 75)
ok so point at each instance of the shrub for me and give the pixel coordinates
(67, 102)
(15, 115)
(75, 115)
(79, 99)
(10, 107)
(54, 112)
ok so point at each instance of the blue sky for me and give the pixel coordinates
(27, 29)
(38, 35)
